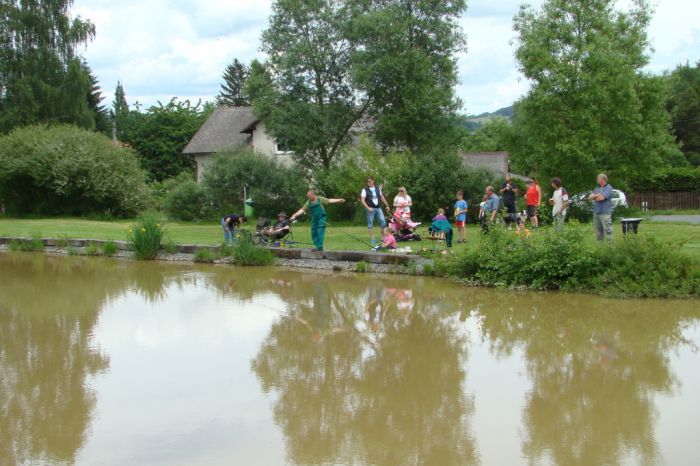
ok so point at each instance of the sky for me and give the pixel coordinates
(159, 49)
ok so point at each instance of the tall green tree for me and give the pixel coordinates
(160, 134)
(684, 105)
(304, 92)
(100, 114)
(591, 107)
(404, 59)
(120, 106)
(232, 89)
(41, 77)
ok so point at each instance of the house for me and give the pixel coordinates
(230, 128)
(495, 162)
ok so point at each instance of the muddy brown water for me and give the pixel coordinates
(107, 362)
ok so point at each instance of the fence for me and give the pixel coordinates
(665, 201)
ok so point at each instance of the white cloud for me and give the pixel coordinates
(165, 48)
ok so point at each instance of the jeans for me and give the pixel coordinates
(603, 226)
(229, 236)
(378, 214)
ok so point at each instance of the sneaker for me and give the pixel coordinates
(374, 241)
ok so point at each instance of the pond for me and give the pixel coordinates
(108, 362)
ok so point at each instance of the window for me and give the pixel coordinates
(282, 149)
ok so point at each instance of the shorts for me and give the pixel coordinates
(378, 214)
(460, 223)
(531, 211)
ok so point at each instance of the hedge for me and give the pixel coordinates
(685, 179)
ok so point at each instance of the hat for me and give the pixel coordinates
(282, 214)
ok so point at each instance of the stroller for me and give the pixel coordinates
(404, 229)
(267, 234)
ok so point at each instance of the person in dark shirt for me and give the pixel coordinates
(229, 223)
(509, 192)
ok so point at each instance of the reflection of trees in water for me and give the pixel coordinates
(348, 398)
(48, 310)
(596, 366)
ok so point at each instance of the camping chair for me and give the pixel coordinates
(440, 234)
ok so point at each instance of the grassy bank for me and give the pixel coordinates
(685, 237)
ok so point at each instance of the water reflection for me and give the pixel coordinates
(350, 367)
(361, 369)
(595, 366)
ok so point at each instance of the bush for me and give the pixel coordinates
(204, 256)
(246, 253)
(644, 267)
(272, 185)
(186, 202)
(562, 260)
(146, 236)
(109, 248)
(684, 179)
(70, 171)
(31, 245)
(92, 250)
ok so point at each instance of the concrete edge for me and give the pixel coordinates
(282, 253)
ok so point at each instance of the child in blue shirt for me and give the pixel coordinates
(461, 207)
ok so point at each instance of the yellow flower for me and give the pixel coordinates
(143, 230)
(157, 225)
(238, 236)
(130, 231)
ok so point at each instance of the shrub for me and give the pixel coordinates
(204, 256)
(169, 246)
(685, 179)
(145, 237)
(564, 260)
(272, 185)
(246, 253)
(646, 267)
(109, 248)
(362, 267)
(67, 170)
(24, 245)
(186, 201)
(92, 250)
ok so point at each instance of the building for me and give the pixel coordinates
(231, 128)
(495, 162)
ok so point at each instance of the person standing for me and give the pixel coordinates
(316, 205)
(602, 208)
(509, 192)
(533, 198)
(559, 203)
(461, 208)
(403, 202)
(230, 223)
(372, 198)
(490, 209)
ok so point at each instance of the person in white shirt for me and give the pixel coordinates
(402, 202)
(559, 203)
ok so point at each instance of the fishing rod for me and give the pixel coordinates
(371, 246)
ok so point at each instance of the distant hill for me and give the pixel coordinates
(473, 122)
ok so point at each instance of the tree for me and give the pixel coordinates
(493, 136)
(684, 105)
(404, 60)
(591, 108)
(41, 77)
(160, 134)
(304, 92)
(232, 89)
(100, 115)
(119, 106)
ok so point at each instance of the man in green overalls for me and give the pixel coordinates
(316, 204)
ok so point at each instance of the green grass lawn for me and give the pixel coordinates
(337, 236)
